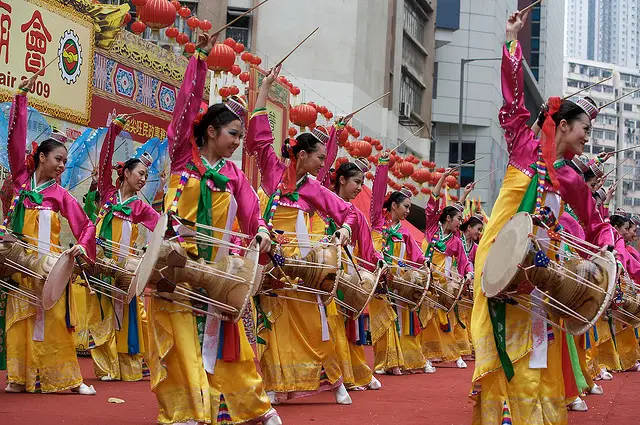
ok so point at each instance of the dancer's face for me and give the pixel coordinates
(137, 177)
(312, 162)
(226, 140)
(572, 136)
(400, 211)
(53, 164)
(351, 187)
(473, 232)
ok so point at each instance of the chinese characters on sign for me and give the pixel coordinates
(37, 36)
(5, 26)
(145, 130)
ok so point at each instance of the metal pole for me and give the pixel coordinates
(463, 62)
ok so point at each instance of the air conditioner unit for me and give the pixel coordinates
(405, 109)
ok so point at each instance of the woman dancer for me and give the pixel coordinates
(445, 337)
(296, 360)
(118, 331)
(508, 380)
(40, 346)
(208, 189)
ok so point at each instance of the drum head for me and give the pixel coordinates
(57, 280)
(507, 251)
(608, 263)
(149, 259)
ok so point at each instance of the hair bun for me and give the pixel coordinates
(286, 145)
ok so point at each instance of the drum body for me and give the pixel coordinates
(447, 288)
(358, 289)
(628, 307)
(412, 285)
(319, 271)
(571, 288)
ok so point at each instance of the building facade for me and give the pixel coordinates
(617, 126)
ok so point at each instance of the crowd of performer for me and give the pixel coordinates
(200, 357)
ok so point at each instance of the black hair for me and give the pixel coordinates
(130, 164)
(217, 116)
(618, 220)
(570, 111)
(588, 175)
(46, 148)
(396, 197)
(304, 142)
(471, 222)
(346, 170)
(449, 211)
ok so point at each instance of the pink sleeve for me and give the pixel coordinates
(148, 216)
(17, 138)
(105, 167)
(630, 264)
(248, 213)
(82, 228)
(432, 214)
(332, 152)
(514, 115)
(260, 143)
(362, 234)
(464, 265)
(576, 193)
(379, 191)
(633, 252)
(414, 253)
(185, 111)
(329, 204)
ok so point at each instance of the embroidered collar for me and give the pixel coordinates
(43, 186)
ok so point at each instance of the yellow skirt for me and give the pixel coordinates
(294, 358)
(50, 364)
(533, 397)
(627, 347)
(607, 354)
(444, 346)
(174, 357)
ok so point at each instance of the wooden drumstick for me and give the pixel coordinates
(296, 48)
(277, 266)
(407, 139)
(239, 17)
(532, 5)
(348, 117)
(346, 250)
(587, 88)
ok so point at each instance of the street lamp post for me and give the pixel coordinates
(463, 62)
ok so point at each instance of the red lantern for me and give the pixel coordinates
(435, 177)
(185, 12)
(399, 159)
(193, 22)
(256, 60)
(378, 148)
(451, 181)
(363, 148)
(205, 25)
(224, 92)
(138, 3)
(234, 90)
(235, 70)
(182, 39)
(343, 137)
(221, 58)
(244, 77)
(369, 175)
(292, 132)
(230, 42)
(127, 19)
(176, 5)
(238, 48)
(138, 27)
(246, 57)
(440, 170)
(425, 163)
(190, 48)
(406, 169)
(425, 190)
(157, 14)
(304, 116)
(367, 139)
(295, 90)
(171, 32)
(421, 175)
(328, 115)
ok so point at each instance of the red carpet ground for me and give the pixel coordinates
(439, 399)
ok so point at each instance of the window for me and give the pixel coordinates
(535, 44)
(413, 56)
(598, 133)
(241, 29)
(467, 172)
(628, 107)
(636, 202)
(435, 80)
(414, 20)
(411, 94)
(628, 201)
(610, 135)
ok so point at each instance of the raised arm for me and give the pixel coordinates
(105, 165)
(260, 139)
(332, 152)
(17, 135)
(379, 190)
(514, 115)
(186, 108)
